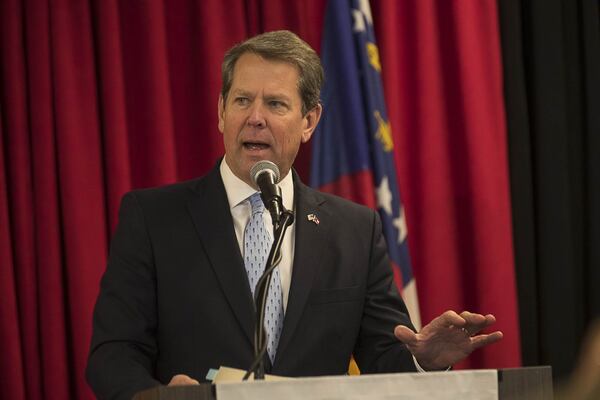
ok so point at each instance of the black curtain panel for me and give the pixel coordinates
(551, 58)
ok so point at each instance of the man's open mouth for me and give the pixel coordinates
(255, 146)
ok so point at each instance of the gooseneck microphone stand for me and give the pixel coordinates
(257, 367)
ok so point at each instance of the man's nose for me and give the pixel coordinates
(257, 115)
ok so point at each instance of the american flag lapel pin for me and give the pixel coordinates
(313, 218)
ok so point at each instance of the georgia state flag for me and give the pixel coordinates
(352, 153)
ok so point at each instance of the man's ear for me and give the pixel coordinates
(312, 119)
(221, 111)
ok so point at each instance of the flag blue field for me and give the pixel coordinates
(352, 153)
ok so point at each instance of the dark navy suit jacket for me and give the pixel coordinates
(175, 297)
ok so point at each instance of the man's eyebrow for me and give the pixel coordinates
(273, 96)
(278, 96)
(241, 92)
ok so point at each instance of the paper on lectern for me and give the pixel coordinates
(226, 374)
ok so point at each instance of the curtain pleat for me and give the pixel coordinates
(54, 333)
(20, 203)
(110, 86)
(81, 198)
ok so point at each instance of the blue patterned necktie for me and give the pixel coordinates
(257, 244)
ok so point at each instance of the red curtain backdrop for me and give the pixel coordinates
(100, 97)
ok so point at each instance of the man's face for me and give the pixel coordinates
(262, 116)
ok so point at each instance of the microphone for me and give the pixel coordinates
(265, 175)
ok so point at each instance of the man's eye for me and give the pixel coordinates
(242, 100)
(276, 104)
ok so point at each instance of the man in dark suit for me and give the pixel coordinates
(176, 298)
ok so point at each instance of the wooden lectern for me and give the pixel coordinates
(529, 383)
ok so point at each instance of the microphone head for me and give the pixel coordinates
(264, 166)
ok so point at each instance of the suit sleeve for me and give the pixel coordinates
(377, 349)
(123, 349)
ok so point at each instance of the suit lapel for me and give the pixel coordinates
(310, 239)
(210, 212)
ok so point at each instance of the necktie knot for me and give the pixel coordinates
(256, 203)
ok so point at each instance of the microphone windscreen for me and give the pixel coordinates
(261, 167)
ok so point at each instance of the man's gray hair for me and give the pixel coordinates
(282, 46)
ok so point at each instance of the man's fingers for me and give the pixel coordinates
(483, 340)
(476, 322)
(472, 318)
(489, 319)
(181, 380)
(450, 317)
(405, 334)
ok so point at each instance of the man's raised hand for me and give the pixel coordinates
(448, 339)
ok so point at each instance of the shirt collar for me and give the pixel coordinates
(238, 191)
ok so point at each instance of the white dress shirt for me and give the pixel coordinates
(238, 193)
